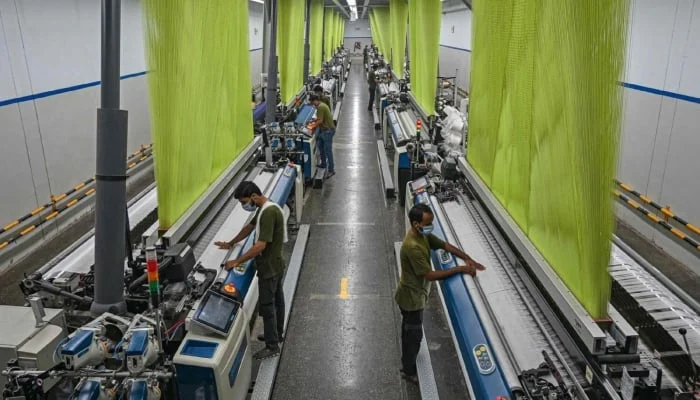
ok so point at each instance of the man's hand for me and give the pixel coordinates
(476, 265)
(224, 245)
(471, 268)
(231, 265)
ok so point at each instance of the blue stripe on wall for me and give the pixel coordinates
(55, 92)
(455, 48)
(660, 92)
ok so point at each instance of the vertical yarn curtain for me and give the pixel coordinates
(316, 36)
(398, 11)
(544, 126)
(424, 18)
(199, 92)
(328, 34)
(290, 46)
(379, 23)
(338, 30)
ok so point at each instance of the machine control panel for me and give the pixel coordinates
(216, 312)
(445, 257)
(484, 359)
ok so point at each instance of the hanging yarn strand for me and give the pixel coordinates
(544, 127)
(199, 89)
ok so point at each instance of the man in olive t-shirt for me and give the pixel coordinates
(372, 82)
(414, 285)
(326, 131)
(318, 91)
(269, 261)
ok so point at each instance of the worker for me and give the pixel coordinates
(414, 285)
(372, 82)
(318, 90)
(365, 56)
(326, 131)
(270, 236)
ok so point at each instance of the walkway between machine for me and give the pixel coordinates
(342, 340)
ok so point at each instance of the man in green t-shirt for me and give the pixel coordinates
(318, 90)
(269, 261)
(326, 131)
(372, 82)
(414, 285)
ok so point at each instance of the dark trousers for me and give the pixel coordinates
(372, 91)
(271, 300)
(411, 336)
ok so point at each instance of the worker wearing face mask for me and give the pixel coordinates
(270, 236)
(414, 285)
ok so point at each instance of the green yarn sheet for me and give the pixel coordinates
(544, 127)
(316, 36)
(199, 92)
(328, 35)
(379, 20)
(398, 12)
(424, 18)
(290, 46)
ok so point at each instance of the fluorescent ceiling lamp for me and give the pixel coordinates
(353, 9)
(263, 1)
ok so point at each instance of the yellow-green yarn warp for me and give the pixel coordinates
(316, 36)
(424, 18)
(544, 126)
(199, 89)
(290, 47)
(379, 24)
(328, 27)
(398, 11)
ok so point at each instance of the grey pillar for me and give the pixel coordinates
(110, 219)
(307, 50)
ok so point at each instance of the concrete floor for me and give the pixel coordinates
(343, 336)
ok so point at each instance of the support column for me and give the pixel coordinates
(110, 219)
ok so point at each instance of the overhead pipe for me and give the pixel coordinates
(366, 7)
(110, 176)
(342, 8)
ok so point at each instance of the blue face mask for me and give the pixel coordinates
(426, 230)
(250, 207)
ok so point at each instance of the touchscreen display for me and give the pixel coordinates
(217, 312)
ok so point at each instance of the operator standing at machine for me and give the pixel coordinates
(414, 286)
(270, 236)
(318, 90)
(372, 81)
(326, 131)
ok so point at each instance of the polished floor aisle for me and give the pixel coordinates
(342, 339)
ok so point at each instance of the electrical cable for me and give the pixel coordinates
(19, 109)
(36, 111)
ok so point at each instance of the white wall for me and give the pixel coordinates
(661, 133)
(49, 143)
(357, 31)
(456, 45)
(51, 49)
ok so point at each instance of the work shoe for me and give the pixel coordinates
(280, 337)
(409, 378)
(267, 352)
(328, 175)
